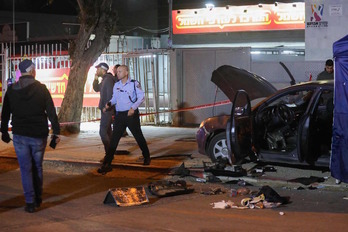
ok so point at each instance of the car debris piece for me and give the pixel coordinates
(272, 196)
(239, 182)
(243, 191)
(269, 205)
(166, 188)
(233, 193)
(243, 183)
(212, 191)
(180, 171)
(127, 196)
(212, 179)
(220, 168)
(201, 180)
(222, 204)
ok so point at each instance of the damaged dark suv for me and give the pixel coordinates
(291, 125)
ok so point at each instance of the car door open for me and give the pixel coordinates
(239, 128)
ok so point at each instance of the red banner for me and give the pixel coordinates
(56, 81)
(283, 16)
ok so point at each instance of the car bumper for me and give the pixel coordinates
(201, 138)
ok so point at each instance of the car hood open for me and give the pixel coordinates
(231, 79)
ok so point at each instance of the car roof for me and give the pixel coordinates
(325, 84)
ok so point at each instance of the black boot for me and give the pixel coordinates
(38, 202)
(30, 208)
(105, 168)
(147, 161)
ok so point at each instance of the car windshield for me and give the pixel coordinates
(298, 98)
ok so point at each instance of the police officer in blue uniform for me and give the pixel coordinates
(127, 97)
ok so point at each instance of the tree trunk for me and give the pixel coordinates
(95, 17)
(70, 111)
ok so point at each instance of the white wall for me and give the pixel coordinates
(331, 26)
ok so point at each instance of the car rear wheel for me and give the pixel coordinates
(218, 147)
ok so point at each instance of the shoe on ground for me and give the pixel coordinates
(38, 202)
(30, 208)
(105, 168)
(147, 161)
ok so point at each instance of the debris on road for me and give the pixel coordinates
(222, 204)
(126, 196)
(265, 198)
(166, 188)
(212, 191)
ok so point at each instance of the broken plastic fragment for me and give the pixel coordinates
(222, 205)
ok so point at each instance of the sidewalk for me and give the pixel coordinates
(169, 147)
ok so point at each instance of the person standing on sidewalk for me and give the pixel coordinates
(30, 103)
(105, 89)
(127, 97)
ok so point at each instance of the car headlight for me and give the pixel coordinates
(202, 128)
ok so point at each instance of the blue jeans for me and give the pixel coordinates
(30, 152)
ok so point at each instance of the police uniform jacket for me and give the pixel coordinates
(128, 95)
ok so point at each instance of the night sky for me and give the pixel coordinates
(65, 7)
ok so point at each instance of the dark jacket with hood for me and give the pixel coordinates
(105, 87)
(30, 103)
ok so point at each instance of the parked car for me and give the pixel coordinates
(290, 125)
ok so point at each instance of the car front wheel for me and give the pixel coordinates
(218, 147)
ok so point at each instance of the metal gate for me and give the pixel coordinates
(149, 67)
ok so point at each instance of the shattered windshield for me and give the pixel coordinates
(294, 99)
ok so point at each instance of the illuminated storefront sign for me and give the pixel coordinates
(283, 16)
(56, 81)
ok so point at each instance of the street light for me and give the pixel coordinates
(209, 6)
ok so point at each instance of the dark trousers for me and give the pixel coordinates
(105, 130)
(121, 122)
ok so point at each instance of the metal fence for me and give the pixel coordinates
(149, 67)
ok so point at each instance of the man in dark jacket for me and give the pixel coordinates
(328, 73)
(105, 88)
(30, 103)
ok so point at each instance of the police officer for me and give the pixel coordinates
(127, 97)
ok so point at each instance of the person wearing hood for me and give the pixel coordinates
(105, 87)
(30, 104)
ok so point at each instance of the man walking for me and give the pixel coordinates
(30, 103)
(127, 97)
(105, 89)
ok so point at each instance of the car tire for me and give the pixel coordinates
(218, 147)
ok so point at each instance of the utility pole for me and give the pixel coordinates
(13, 28)
(170, 40)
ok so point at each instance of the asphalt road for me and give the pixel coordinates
(73, 201)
